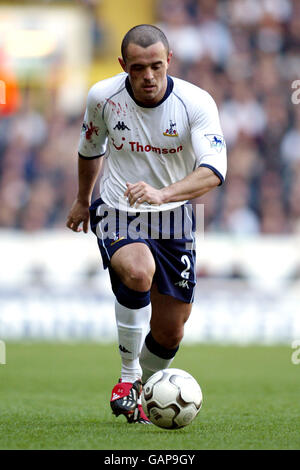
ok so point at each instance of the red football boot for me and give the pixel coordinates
(125, 401)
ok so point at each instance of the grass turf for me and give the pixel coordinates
(56, 396)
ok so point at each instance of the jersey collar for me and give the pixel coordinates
(170, 85)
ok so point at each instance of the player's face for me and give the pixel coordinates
(147, 71)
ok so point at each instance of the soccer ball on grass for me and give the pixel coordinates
(171, 398)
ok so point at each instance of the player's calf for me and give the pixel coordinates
(155, 357)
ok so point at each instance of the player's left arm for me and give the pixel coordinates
(196, 184)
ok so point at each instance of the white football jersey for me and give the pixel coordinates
(159, 145)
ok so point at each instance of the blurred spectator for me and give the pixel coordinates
(246, 53)
(247, 56)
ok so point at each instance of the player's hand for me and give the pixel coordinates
(140, 192)
(78, 214)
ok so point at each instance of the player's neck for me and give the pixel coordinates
(166, 91)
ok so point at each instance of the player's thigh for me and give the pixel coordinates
(168, 318)
(134, 265)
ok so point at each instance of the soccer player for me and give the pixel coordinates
(160, 142)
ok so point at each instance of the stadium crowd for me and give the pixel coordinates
(246, 53)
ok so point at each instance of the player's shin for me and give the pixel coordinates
(154, 357)
(132, 325)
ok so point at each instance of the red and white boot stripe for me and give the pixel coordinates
(120, 390)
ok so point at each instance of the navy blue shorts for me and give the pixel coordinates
(168, 234)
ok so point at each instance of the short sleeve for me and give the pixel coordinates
(93, 135)
(207, 137)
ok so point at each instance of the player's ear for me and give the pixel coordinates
(169, 57)
(122, 63)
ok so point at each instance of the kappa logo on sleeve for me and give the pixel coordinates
(217, 141)
(84, 128)
(89, 130)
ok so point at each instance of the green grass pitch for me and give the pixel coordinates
(56, 396)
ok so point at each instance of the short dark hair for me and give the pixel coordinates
(143, 35)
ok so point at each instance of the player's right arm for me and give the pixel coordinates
(92, 147)
(88, 171)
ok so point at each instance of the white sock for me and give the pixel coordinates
(132, 325)
(151, 363)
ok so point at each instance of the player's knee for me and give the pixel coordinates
(139, 278)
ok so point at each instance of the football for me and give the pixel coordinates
(171, 398)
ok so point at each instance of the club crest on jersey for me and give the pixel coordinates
(216, 141)
(171, 132)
